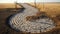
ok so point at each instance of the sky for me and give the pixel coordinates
(27, 1)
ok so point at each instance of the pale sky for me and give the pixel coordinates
(27, 1)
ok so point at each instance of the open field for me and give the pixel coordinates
(8, 5)
(52, 9)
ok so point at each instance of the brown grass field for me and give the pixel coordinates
(8, 5)
(52, 9)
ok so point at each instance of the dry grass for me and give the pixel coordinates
(8, 5)
(51, 8)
